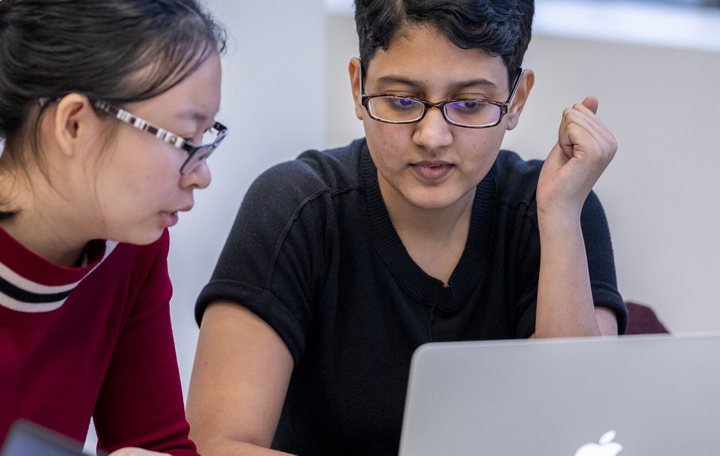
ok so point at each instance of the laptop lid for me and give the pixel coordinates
(29, 439)
(633, 396)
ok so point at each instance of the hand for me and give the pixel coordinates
(134, 452)
(584, 149)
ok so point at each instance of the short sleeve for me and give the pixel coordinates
(601, 261)
(273, 260)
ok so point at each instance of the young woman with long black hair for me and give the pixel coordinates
(107, 115)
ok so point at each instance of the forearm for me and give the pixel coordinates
(564, 301)
(565, 305)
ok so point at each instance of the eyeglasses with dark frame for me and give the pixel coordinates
(196, 153)
(466, 113)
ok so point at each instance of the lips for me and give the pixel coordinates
(431, 170)
(170, 218)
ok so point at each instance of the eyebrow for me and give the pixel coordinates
(193, 115)
(418, 85)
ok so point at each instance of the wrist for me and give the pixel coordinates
(559, 229)
(554, 216)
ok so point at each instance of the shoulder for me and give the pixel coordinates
(313, 179)
(515, 178)
(338, 168)
(313, 171)
(516, 182)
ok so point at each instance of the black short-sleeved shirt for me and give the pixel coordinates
(313, 253)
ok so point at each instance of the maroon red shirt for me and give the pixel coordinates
(92, 341)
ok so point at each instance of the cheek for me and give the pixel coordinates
(478, 153)
(388, 144)
(136, 175)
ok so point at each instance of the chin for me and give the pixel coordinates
(432, 204)
(435, 199)
(138, 237)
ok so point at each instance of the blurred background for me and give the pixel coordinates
(654, 66)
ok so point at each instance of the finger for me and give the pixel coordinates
(574, 135)
(581, 115)
(591, 103)
(578, 142)
(574, 122)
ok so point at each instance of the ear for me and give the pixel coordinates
(75, 123)
(523, 91)
(355, 71)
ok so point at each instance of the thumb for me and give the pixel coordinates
(591, 103)
(559, 155)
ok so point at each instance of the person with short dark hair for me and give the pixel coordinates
(106, 115)
(342, 262)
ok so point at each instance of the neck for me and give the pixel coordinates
(42, 223)
(434, 238)
(436, 225)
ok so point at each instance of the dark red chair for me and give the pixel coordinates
(642, 320)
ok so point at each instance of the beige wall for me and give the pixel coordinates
(274, 68)
(660, 193)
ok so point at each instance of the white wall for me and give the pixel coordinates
(661, 102)
(659, 193)
(274, 105)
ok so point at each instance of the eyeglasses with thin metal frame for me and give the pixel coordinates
(367, 102)
(196, 153)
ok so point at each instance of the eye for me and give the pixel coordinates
(198, 139)
(400, 104)
(468, 106)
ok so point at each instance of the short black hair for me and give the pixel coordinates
(499, 27)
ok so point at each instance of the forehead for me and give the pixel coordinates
(195, 98)
(426, 56)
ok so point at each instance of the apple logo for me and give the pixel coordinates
(605, 447)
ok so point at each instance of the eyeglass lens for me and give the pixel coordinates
(211, 139)
(198, 156)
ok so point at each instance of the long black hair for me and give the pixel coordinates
(119, 51)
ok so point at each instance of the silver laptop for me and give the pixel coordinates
(632, 396)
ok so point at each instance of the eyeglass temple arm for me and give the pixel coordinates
(362, 80)
(515, 87)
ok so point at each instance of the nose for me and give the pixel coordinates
(433, 132)
(198, 177)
